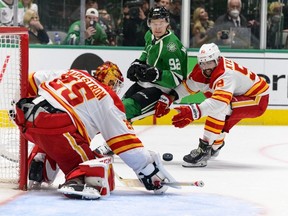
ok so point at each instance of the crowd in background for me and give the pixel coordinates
(231, 23)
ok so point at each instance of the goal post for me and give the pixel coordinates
(14, 58)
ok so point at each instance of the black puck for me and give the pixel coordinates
(167, 156)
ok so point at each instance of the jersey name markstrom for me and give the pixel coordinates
(97, 91)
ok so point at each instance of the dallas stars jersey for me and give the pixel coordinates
(6, 14)
(167, 54)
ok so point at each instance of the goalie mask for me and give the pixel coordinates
(109, 74)
(208, 58)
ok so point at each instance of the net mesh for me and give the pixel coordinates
(10, 78)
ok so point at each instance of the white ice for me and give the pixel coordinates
(249, 177)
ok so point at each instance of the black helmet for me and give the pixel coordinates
(158, 13)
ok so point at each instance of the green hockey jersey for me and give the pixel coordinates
(167, 54)
(73, 36)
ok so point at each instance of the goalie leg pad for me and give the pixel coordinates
(100, 174)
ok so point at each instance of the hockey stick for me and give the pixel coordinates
(4, 67)
(152, 112)
(8, 155)
(136, 183)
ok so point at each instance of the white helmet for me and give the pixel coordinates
(208, 52)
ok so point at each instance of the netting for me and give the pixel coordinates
(10, 81)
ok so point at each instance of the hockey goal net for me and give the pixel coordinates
(14, 44)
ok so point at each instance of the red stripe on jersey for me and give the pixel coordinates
(252, 101)
(218, 142)
(208, 94)
(222, 96)
(214, 125)
(124, 143)
(258, 88)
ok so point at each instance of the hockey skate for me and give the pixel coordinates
(77, 189)
(198, 157)
(35, 174)
(103, 150)
(215, 153)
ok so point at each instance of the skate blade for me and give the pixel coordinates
(88, 193)
(199, 164)
(34, 185)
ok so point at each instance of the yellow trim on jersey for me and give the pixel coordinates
(261, 82)
(218, 125)
(188, 89)
(120, 139)
(76, 147)
(215, 121)
(223, 96)
(128, 147)
(246, 102)
(212, 129)
(218, 142)
(124, 143)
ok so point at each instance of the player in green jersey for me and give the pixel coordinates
(161, 67)
(94, 33)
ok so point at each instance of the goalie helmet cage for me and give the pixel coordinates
(14, 52)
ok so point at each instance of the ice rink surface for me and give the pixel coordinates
(249, 177)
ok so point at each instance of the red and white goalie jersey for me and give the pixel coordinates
(93, 107)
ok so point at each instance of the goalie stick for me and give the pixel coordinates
(136, 183)
(152, 112)
(8, 155)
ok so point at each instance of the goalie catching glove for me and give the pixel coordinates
(162, 106)
(186, 115)
(154, 174)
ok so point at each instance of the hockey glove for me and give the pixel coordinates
(154, 174)
(151, 74)
(135, 66)
(186, 115)
(162, 106)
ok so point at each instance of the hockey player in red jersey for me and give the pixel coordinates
(232, 92)
(71, 107)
